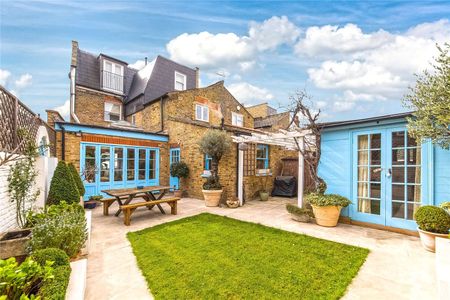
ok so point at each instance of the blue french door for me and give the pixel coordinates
(389, 177)
(174, 157)
(106, 166)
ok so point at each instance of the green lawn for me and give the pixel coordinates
(210, 257)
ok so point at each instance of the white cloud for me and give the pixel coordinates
(138, 65)
(320, 104)
(373, 66)
(247, 93)
(4, 76)
(23, 81)
(64, 109)
(329, 39)
(229, 50)
(273, 32)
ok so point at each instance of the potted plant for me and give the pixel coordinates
(432, 222)
(215, 143)
(179, 170)
(327, 208)
(299, 214)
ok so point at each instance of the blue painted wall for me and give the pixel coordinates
(335, 165)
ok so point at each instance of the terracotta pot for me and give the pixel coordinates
(428, 239)
(264, 196)
(14, 243)
(177, 193)
(327, 216)
(232, 203)
(212, 197)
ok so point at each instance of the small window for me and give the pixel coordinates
(180, 81)
(237, 119)
(202, 112)
(262, 157)
(208, 160)
(112, 112)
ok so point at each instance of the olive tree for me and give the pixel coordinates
(430, 100)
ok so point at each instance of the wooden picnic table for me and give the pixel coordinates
(148, 193)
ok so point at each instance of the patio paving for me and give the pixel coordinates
(397, 266)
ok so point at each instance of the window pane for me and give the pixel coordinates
(108, 66)
(398, 210)
(375, 174)
(363, 142)
(369, 206)
(375, 141)
(414, 156)
(152, 164)
(411, 210)
(118, 164)
(198, 112)
(260, 164)
(398, 157)
(398, 174)
(141, 163)
(363, 174)
(411, 142)
(89, 164)
(375, 157)
(398, 192)
(375, 190)
(413, 175)
(363, 158)
(104, 164)
(398, 139)
(363, 190)
(413, 193)
(130, 164)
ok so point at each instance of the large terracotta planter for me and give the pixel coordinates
(428, 239)
(14, 243)
(327, 216)
(212, 197)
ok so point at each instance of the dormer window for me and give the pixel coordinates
(180, 81)
(112, 76)
(112, 112)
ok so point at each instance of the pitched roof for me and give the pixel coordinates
(140, 81)
(270, 120)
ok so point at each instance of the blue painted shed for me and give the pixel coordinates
(383, 171)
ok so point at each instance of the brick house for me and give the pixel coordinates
(127, 126)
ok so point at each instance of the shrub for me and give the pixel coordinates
(62, 186)
(179, 169)
(63, 228)
(53, 210)
(327, 200)
(96, 197)
(24, 280)
(55, 255)
(433, 219)
(295, 210)
(212, 183)
(77, 178)
(55, 288)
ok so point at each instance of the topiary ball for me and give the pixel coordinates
(433, 219)
(57, 256)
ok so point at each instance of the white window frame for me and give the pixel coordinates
(113, 71)
(204, 115)
(175, 81)
(107, 114)
(235, 117)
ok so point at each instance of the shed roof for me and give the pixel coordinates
(365, 120)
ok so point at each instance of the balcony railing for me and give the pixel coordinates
(112, 81)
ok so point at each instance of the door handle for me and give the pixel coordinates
(389, 172)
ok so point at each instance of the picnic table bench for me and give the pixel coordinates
(153, 196)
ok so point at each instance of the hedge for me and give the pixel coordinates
(62, 186)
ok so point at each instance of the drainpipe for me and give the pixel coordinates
(63, 143)
(161, 114)
(72, 74)
(197, 77)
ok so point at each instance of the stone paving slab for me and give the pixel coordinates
(396, 268)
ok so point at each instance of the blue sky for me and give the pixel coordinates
(356, 59)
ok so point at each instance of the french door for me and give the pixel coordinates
(389, 177)
(174, 157)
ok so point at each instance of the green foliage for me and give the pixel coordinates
(215, 143)
(179, 169)
(220, 251)
(446, 206)
(295, 210)
(433, 219)
(327, 200)
(55, 288)
(53, 210)
(55, 255)
(23, 281)
(77, 178)
(96, 198)
(63, 187)
(62, 227)
(430, 99)
(212, 183)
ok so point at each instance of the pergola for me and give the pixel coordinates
(293, 139)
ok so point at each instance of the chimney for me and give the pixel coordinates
(73, 61)
(145, 60)
(197, 77)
